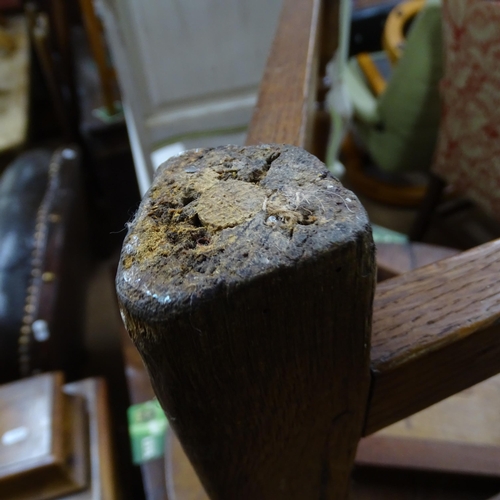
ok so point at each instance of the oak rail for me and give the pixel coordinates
(435, 332)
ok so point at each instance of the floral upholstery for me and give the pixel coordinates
(468, 150)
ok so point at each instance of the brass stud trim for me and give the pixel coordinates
(33, 289)
(48, 277)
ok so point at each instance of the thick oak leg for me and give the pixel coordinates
(246, 283)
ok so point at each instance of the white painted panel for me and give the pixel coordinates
(189, 48)
(187, 66)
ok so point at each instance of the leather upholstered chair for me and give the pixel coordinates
(43, 254)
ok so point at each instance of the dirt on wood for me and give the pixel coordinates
(216, 217)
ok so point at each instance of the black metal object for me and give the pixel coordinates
(368, 25)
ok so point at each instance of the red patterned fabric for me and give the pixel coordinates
(468, 150)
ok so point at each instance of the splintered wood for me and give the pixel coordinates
(246, 282)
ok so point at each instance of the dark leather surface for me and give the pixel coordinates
(42, 263)
(22, 187)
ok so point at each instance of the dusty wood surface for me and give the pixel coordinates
(240, 306)
(435, 333)
(287, 94)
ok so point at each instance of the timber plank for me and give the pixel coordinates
(435, 333)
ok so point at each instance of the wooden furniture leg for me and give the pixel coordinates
(256, 327)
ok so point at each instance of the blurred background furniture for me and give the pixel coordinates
(399, 129)
(368, 20)
(44, 321)
(52, 70)
(468, 153)
(56, 440)
(43, 265)
(107, 74)
(396, 27)
(392, 113)
(14, 78)
(187, 70)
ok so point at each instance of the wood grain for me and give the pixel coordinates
(243, 327)
(435, 333)
(287, 94)
(457, 438)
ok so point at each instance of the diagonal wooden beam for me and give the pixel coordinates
(436, 332)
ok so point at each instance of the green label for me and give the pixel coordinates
(385, 235)
(147, 425)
